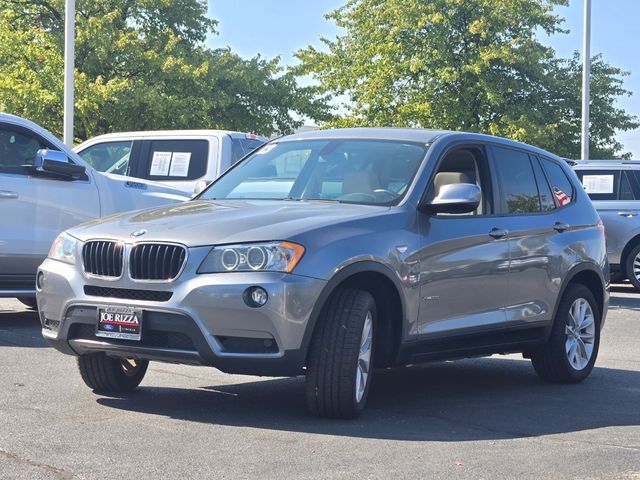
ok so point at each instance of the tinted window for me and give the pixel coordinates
(176, 159)
(356, 171)
(112, 157)
(519, 188)
(561, 186)
(546, 196)
(237, 151)
(250, 145)
(625, 188)
(18, 149)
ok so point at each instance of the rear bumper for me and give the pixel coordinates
(205, 322)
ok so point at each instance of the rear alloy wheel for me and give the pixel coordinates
(633, 267)
(105, 374)
(341, 353)
(572, 348)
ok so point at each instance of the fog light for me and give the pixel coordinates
(255, 297)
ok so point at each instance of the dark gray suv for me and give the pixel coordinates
(330, 253)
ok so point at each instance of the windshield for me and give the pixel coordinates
(376, 172)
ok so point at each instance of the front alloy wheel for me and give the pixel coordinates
(364, 358)
(341, 355)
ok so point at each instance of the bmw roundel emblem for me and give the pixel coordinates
(138, 233)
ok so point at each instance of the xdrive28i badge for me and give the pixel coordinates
(138, 233)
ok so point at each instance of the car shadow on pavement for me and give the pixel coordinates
(20, 328)
(467, 400)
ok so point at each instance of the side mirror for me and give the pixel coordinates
(57, 163)
(454, 198)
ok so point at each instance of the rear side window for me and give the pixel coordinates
(112, 157)
(519, 187)
(561, 186)
(606, 184)
(176, 159)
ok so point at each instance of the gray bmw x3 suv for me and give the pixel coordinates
(330, 253)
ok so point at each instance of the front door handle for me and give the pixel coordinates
(560, 227)
(6, 194)
(628, 214)
(498, 233)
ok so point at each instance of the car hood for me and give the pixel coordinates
(198, 223)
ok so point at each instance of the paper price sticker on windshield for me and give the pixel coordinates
(160, 163)
(180, 164)
(598, 183)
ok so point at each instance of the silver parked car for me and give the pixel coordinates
(330, 253)
(614, 188)
(46, 188)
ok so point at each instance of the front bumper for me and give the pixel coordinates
(204, 322)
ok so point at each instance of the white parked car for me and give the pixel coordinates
(184, 159)
(46, 188)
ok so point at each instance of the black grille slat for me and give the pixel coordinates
(127, 293)
(103, 258)
(156, 261)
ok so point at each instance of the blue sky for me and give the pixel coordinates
(280, 27)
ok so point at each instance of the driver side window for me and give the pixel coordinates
(465, 165)
(18, 149)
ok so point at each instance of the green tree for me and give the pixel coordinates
(473, 65)
(140, 64)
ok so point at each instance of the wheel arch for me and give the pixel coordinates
(590, 276)
(385, 287)
(630, 245)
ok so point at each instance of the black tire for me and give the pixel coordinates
(29, 302)
(104, 374)
(628, 265)
(332, 365)
(551, 360)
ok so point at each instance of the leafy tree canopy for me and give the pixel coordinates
(473, 65)
(140, 64)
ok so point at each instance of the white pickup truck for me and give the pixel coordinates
(183, 159)
(46, 188)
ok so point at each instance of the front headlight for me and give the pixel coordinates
(64, 249)
(253, 257)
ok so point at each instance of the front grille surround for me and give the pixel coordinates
(103, 259)
(156, 261)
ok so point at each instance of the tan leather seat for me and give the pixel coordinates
(359, 181)
(449, 178)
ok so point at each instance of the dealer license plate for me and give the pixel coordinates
(119, 322)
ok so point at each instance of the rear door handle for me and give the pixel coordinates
(6, 194)
(628, 214)
(498, 233)
(560, 227)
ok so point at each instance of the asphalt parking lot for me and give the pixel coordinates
(478, 419)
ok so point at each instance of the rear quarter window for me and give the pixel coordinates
(561, 186)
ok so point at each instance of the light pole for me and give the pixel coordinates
(69, 50)
(586, 72)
